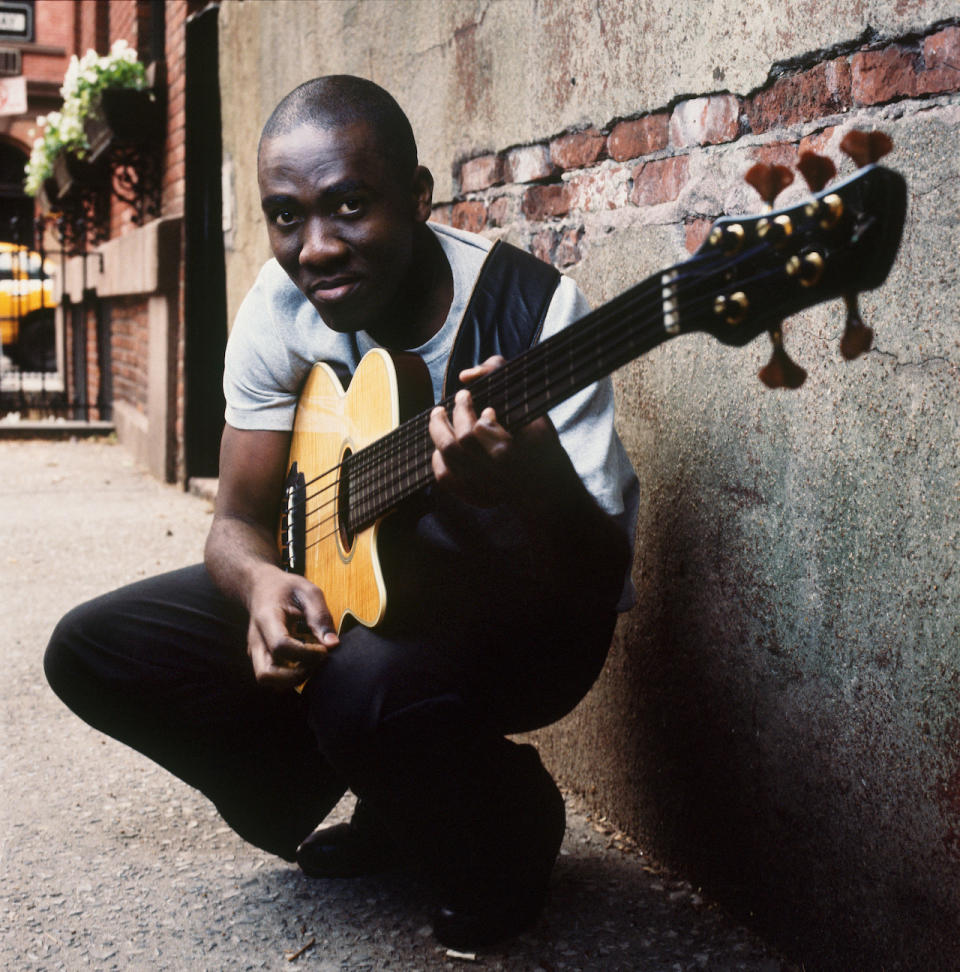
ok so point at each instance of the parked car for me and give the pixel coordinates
(27, 309)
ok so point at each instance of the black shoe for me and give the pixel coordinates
(490, 906)
(347, 850)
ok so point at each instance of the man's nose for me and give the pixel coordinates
(321, 244)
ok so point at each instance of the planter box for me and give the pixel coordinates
(71, 174)
(125, 118)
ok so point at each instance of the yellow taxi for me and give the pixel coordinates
(27, 329)
(26, 288)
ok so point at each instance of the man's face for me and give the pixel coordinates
(340, 220)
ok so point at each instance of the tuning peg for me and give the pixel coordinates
(817, 170)
(769, 180)
(781, 371)
(866, 148)
(857, 337)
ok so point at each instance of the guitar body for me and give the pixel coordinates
(330, 425)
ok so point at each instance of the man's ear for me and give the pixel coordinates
(422, 193)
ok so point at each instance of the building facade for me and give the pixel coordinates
(119, 229)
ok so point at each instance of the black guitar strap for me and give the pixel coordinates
(505, 312)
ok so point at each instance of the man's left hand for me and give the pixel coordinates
(477, 459)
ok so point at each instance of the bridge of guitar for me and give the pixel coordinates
(293, 531)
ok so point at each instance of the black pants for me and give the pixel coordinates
(412, 723)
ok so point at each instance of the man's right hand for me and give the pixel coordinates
(290, 628)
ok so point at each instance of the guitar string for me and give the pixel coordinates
(397, 448)
(414, 428)
(360, 460)
(499, 383)
(366, 457)
(373, 455)
(379, 454)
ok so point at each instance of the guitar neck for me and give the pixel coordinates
(395, 467)
(594, 346)
(748, 276)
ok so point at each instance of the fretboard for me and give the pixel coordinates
(398, 465)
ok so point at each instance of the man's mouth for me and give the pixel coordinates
(334, 289)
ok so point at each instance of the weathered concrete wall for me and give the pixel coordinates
(476, 75)
(779, 713)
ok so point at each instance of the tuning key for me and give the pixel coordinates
(857, 337)
(769, 180)
(781, 371)
(817, 170)
(866, 148)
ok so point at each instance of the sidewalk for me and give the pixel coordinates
(108, 862)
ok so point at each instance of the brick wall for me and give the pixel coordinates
(124, 21)
(174, 178)
(124, 25)
(129, 348)
(53, 27)
(129, 20)
(91, 25)
(545, 193)
(137, 324)
(129, 328)
(177, 12)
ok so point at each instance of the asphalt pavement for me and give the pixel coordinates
(108, 862)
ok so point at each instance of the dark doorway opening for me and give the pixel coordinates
(205, 300)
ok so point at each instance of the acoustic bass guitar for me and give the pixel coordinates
(357, 455)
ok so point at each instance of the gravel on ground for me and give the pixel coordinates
(108, 862)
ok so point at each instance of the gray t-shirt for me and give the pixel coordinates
(278, 336)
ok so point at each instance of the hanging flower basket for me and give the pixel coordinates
(123, 117)
(86, 82)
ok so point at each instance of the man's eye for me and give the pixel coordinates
(284, 217)
(350, 207)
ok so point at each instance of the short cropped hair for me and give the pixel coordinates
(337, 100)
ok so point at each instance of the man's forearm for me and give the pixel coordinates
(236, 549)
(566, 524)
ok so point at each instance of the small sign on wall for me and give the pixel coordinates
(16, 20)
(13, 96)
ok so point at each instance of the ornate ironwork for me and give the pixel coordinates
(126, 135)
(81, 215)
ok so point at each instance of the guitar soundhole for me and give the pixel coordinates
(344, 530)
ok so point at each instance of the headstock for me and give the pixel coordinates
(753, 272)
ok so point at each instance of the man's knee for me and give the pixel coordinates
(62, 663)
(364, 681)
